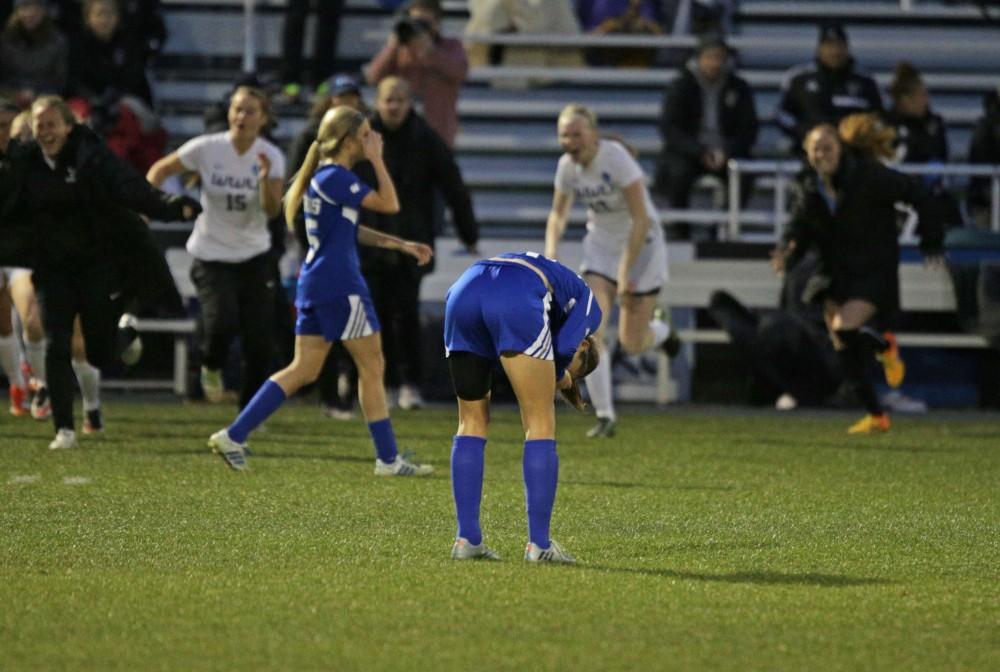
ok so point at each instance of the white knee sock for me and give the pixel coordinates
(661, 332)
(34, 352)
(599, 387)
(89, 378)
(9, 361)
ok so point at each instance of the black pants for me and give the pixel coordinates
(676, 174)
(396, 295)
(324, 61)
(237, 299)
(94, 293)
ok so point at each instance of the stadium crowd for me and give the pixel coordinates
(78, 127)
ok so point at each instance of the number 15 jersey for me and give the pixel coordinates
(232, 226)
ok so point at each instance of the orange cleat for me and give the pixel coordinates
(871, 424)
(895, 369)
(19, 406)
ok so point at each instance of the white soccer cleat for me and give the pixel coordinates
(554, 553)
(65, 439)
(409, 398)
(233, 453)
(463, 550)
(132, 352)
(402, 466)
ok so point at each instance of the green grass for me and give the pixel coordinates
(707, 539)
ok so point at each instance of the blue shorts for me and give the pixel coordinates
(498, 307)
(342, 319)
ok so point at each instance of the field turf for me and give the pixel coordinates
(708, 539)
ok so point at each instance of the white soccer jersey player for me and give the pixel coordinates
(232, 226)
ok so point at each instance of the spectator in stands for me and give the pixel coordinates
(708, 117)
(435, 66)
(295, 71)
(845, 208)
(630, 17)
(421, 165)
(33, 53)
(241, 175)
(624, 253)
(827, 90)
(491, 17)
(698, 17)
(920, 133)
(985, 148)
(81, 202)
(107, 61)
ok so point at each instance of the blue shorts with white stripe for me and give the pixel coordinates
(342, 319)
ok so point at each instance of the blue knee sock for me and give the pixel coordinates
(541, 475)
(384, 439)
(267, 400)
(467, 484)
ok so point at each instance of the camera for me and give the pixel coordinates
(407, 28)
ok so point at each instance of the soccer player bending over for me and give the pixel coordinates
(537, 317)
(332, 298)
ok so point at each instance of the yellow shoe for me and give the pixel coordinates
(895, 369)
(870, 424)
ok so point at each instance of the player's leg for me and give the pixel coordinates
(216, 284)
(846, 322)
(9, 356)
(366, 351)
(22, 293)
(471, 376)
(59, 305)
(599, 385)
(88, 377)
(256, 290)
(534, 383)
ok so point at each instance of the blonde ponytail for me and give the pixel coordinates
(293, 199)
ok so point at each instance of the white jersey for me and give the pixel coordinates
(600, 186)
(232, 226)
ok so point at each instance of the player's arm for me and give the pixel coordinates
(384, 199)
(635, 199)
(555, 225)
(372, 238)
(166, 167)
(269, 188)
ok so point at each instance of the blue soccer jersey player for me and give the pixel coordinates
(537, 317)
(332, 299)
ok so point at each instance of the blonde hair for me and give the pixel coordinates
(20, 126)
(866, 133)
(338, 125)
(43, 103)
(578, 110)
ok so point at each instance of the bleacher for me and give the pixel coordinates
(507, 146)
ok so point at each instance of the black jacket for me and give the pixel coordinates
(985, 147)
(98, 69)
(814, 94)
(919, 139)
(420, 164)
(84, 212)
(859, 241)
(681, 112)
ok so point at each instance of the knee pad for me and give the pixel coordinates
(471, 375)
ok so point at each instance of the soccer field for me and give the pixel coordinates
(706, 539)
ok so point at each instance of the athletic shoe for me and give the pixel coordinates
(554, 553)
(211, 385)
(786, 402)
(338, 413)
(672, 345)
(894, 367)
(129, 335)
(463, 550)
(41, 405)
(19, 406)
(870, 424)
(65, 439)
(233, 453)
(409, 398)
(402, 466)
(604, 429)
(93, 423)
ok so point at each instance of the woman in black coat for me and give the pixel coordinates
(845, 209)
(89, 250)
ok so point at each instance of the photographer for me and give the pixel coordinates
(435, 66)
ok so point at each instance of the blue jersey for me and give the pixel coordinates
(332, 269)
(499, 306)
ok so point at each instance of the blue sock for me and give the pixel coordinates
(467, 484)
(267, 400)
(384, 439)
(541, 475)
